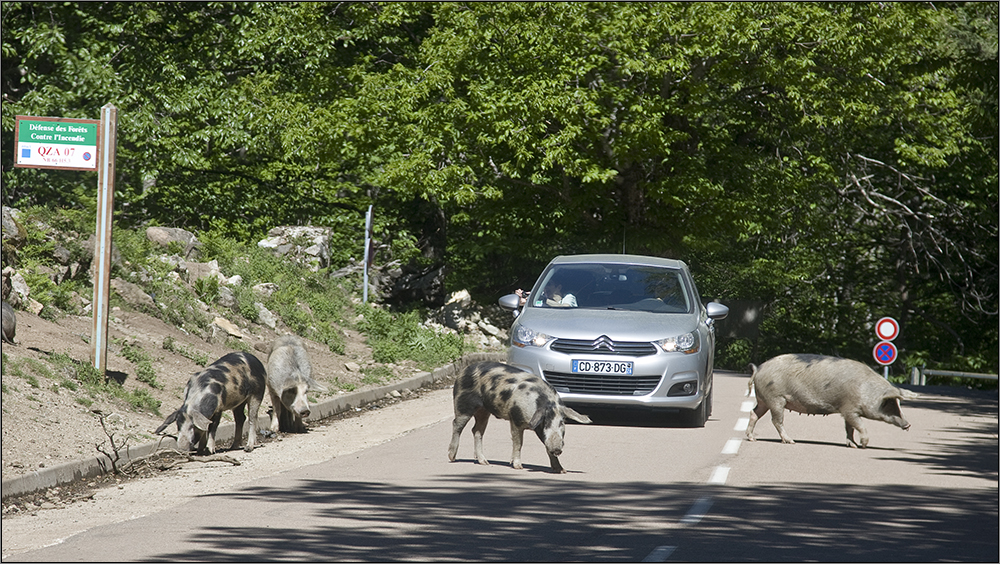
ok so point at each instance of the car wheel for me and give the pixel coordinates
(697, 416)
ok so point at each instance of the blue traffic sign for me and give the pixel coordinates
(885, 353)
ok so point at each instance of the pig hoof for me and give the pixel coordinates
(517, 465)
(483, 461)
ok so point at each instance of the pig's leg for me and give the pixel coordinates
(482, 418)
(239, 417)
(517, 437)
(275, 411)
(778, 419)
(852, 421)
(253, 407)
(212, 428)
(456, 433)
(554, 463)
(758, 411)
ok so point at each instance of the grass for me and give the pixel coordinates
(201, 359)
(394, 337)
(134, 353)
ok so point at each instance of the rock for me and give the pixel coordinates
(163, 236)
(352, 367)
(265, 289)
(227, 327)
(265, 316)
(306, 245)
(12, 229)
(19, 288)
(198, 270)
(131, 293)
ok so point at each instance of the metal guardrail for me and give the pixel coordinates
(918, 375)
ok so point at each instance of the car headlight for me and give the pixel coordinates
(525, 337)
(687, 343)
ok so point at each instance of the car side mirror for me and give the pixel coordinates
(511, 302)
(716, 310)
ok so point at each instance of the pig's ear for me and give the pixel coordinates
(200, 421)
(536, 419)
(572, 415)
(315, 386)
(170, 419)
(890, 406)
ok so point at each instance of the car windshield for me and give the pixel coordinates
(613, 286)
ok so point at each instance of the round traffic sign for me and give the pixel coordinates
(884, 353)
(887, 329)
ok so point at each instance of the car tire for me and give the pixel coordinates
(699, 415)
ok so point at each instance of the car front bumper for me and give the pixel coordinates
(652, 379)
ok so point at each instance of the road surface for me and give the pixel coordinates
(636, 489)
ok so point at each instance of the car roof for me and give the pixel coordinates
(618, 259)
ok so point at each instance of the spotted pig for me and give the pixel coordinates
(232, 382)
(522, 398)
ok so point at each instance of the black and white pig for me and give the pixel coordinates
(520, 397)
(232, 382)
(821, 385)
(9, 323)
(289, 378)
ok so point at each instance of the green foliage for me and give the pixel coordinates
(134, 353)
(201, 359)
(835, 162)
(397, 337)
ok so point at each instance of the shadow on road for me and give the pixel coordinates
(509, 518)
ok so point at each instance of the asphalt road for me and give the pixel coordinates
(637, 489)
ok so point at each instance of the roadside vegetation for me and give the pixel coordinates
(311, 304)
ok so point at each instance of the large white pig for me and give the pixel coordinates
(821, 385)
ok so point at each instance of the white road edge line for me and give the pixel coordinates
(741, 424)
(747, 406)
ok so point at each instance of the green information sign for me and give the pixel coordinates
(65, 143)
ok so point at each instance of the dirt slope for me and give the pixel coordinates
(45, 422)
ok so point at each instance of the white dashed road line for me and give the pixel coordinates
(719, 476)
(732, 446)
(660, 554)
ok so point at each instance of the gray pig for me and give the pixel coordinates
(289, 377)
(821, 385)
(522, 398)
(233, 381)
(9, 323)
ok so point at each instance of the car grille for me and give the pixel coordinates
(602, 384)
(604, 345)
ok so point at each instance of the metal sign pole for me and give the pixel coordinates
(368, 230)
(102, 244)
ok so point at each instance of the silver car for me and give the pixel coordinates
(618, 331)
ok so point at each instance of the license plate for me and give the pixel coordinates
(601, 367)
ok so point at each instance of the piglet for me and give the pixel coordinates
(233, 381)
(821, 385)
(520, 397)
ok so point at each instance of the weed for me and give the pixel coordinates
(198, 358)
(376, 375)
(134, 353)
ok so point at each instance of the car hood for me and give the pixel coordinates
(617, 324)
